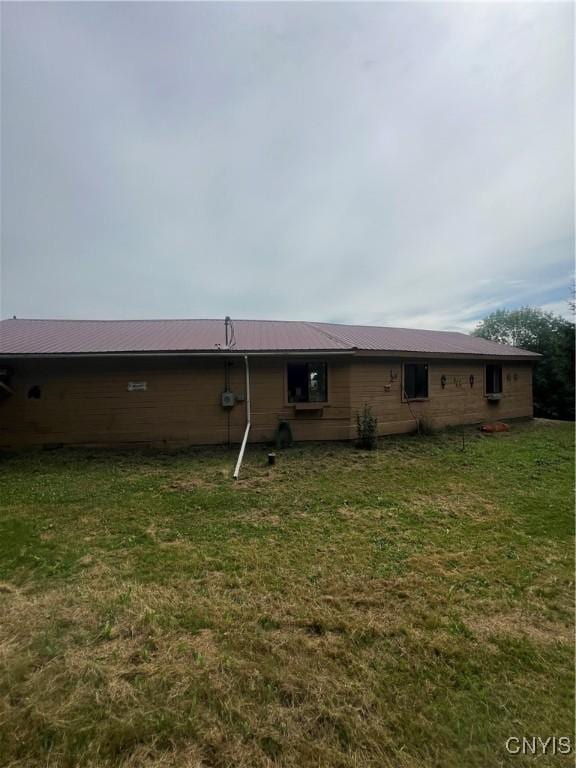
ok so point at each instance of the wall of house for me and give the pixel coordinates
(88, 402)
(378, 381)
(269, 402)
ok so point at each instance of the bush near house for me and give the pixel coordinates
(403, 608)
(367, 428)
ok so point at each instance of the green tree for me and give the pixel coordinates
(550, 335)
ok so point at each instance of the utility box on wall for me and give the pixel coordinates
(228, 399)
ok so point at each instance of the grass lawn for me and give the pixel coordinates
(406, 608)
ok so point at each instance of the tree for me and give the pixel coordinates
(551, 336)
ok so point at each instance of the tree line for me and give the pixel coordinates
(550, 335)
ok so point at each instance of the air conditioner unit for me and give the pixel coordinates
(228, 399)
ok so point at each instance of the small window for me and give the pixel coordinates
(415, 381)
(307, 383)
(493, 379)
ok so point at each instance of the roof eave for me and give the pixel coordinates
(173, 353)
(390, 354)
(527, 356)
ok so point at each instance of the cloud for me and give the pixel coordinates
(561, 308)
(404, 164)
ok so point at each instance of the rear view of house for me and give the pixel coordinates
(185, 382)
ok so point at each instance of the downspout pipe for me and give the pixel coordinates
(248, 416)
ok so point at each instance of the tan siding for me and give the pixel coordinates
(269, 403)
(379, 383)
(87, 402)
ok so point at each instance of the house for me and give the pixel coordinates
(178, 382)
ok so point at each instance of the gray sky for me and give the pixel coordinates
(396, 164)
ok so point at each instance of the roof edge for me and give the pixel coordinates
(349, 352)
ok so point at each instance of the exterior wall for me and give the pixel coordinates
(269, 402)
(378, 381)
(87, 401)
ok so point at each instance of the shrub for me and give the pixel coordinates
(367, 426)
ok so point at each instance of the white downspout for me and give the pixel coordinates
(248, 415)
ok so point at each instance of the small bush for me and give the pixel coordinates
(367, 426)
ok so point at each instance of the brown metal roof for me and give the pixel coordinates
(70, 337)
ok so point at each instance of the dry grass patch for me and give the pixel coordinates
(521, 625)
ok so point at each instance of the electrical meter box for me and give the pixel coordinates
(228, 399)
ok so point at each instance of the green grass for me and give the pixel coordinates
(405, 608)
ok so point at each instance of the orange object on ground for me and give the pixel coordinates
(498, 426)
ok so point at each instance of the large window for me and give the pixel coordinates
(493, 379)
(307, 383)
(415, 381)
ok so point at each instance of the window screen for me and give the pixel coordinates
(307, 383)
(493, 379)
(415, 381)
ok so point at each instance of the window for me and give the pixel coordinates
(415, 381)
(493, 379)
(307, 383)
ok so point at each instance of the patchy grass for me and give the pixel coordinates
(403, 608)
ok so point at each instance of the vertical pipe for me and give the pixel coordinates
(248, 415)
(227, 389)
(248, 405)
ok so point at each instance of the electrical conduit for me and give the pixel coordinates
(248, 416)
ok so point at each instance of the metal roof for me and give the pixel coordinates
(95, 337)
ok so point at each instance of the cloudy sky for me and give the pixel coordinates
(396, 164)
